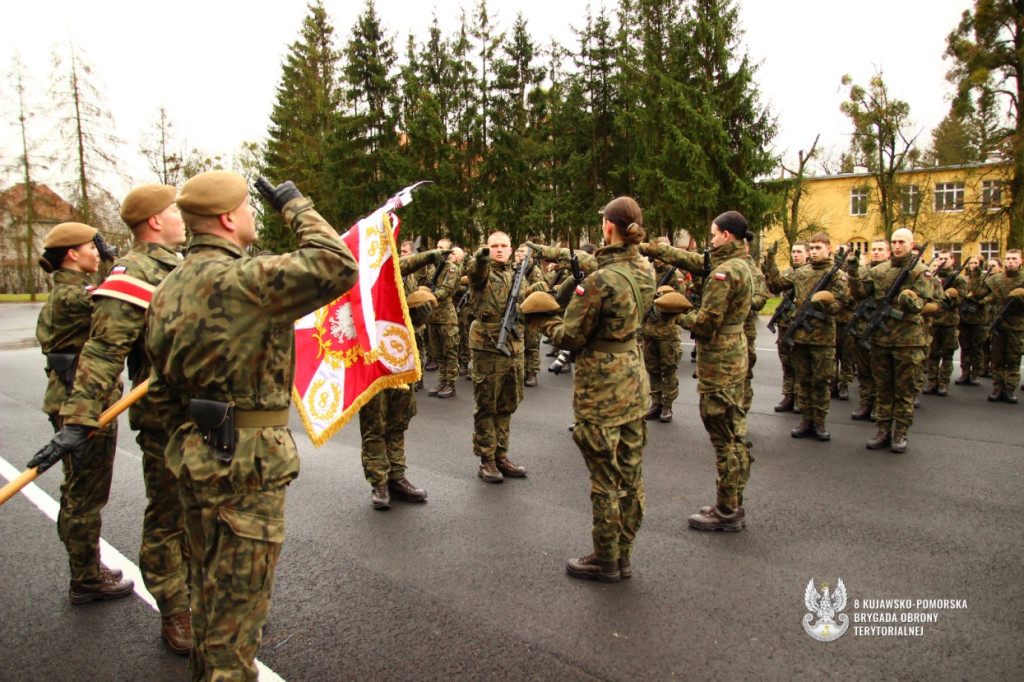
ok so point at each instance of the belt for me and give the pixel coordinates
(611, 346)
(254, 419)
(730, 329)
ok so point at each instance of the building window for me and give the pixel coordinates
(956, 248)
(859, 201)
(991, 194)
(859, 245)
(989, 250)
(949, 196)
(911, 199)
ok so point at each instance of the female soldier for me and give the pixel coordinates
(72, 252)
(601, 323)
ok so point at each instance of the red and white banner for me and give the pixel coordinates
(361, 343)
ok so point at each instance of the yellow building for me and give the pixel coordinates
(959, 208)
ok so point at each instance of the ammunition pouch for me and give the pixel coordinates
(216, 421)
(64, 366)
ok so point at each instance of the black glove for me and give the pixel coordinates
(107, 252)
(441, 255)
(483, 255)
(71, 439)
(277, 196)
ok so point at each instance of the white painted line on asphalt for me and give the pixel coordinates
(111, 557)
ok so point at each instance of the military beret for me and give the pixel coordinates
(213, 193)
(421, 296)
(826, 297)
(665, 289)
(146, 201)
(69, 234)
(1018, 292)
(672, 302)
(464, 279)
(952, 292)
(929, 308)
(540, 302)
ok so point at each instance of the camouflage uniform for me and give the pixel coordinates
(1008, 335)
(662, 346)
(221, 327)
(846, 355)
(601, 322)
(759, 296)
(813, 353)
(784, 349)
(972, 331)
(531, 337)
(944, 340)
(117, 335)
(464, 313)
(497, 380)
(866, 388)
(722, 367)
(896, 356)
(385, 418)
(63, 327)
(442, 324)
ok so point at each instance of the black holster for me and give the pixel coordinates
(64, 365)
(216, 421)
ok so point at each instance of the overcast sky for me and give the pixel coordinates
(214, 64)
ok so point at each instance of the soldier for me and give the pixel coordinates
(813, 354)
(721, 370)
(385, 418)
(72, 252)
(497, 379)
(1004, 292)
(896, 355)
(971, 333)
(845, 365)
(879, 253)
(798, 255)
(994, 266)
(759, 296)
(531, 339)
(118, 326)
(221, 340)
(442, 323)
(944, 325)
(662, 346)
(601, 322)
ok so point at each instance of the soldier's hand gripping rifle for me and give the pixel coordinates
(885, 310)
(653, 314)
(1011, 302)
(510, 316)
(970, 304)
(802, 319)
(705, 272)
(782, 310)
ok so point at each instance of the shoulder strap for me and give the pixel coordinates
(618, 269)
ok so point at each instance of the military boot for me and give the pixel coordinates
(666, 413)
(942, 390)
(489, 472)
(821, 431)
(654, 412)
(932, 388)
(715, 518)
(177, 632)
(881, 439)
(803, 429)
(963, 380)
(447, 391)
(1009, 396)
(899, 439)
(589, 568)
(785, 405)
(435, 390)
(104, 586)
(996, 395)
(531, 379)
(862, 413)
(402, 489)
(741, 514)
(506, 467)
(380, 498)
(624, 568)
(844, 392)
(975, 381)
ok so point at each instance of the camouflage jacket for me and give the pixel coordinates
(587, 262)
(554, 277)
(601, 322)
(910, 330)
(490, 283)
(775, 286)
(656, 325)
(447, 283)
(117, 334)
(63, 327)
(971, 310)
(948, 314)
(717, 325)
(822, 318)
(690, 261)
(758, 297)
(996, 290)
(221, 327)
(409, 265)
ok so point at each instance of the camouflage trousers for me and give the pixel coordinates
(163, 554)
(444, 350)
(235, 540)
(748, 381)
(661, 358)
(83, 494)
(614, 456)
(786, 359)
(383, 422)
(1006, 352)
(726, 423)
(813, 368)
(531, 356)
(972, 338)
(940, 355)
(865, 379)
(497, 391)
(896, 370)
(464, 354)
(846, 356)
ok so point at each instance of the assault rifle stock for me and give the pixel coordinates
(1010, 303)
(885, 310)
(782, 310)
(802, 317)
(509, 317)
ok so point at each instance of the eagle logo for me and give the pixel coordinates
(824, 608)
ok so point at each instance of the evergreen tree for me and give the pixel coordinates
(464, 124)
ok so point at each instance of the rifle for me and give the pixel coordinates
(438, 269)
(665, 279)
(885, 309)
(802, 317)
(947, 283)
(782, 310)
(510, 316)
(705, 272)
(462, 301)
(970, 304)
(574, 264)
(994, 327)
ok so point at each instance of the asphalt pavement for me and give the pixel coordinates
(471, 584)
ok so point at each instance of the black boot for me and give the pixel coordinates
(786, 405)
(802, 430)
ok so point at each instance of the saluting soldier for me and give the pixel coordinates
(531, 337)
(878, 253)
(72, 252)
(971, 333)
(1004, 292)
(662, 345)
(221, 339)
(798, 256)
(442, 323)
(944, 341)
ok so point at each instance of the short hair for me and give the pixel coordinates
(199, 224)
(880, 240)
(588, 248)
(945, 252)
(802, 244)
(1009, 251)
(820, 238)
(442, 241)
(660, 240)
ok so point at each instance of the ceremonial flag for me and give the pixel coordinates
(361, 343)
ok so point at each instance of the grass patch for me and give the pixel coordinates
(22, 298)
(770, 306)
